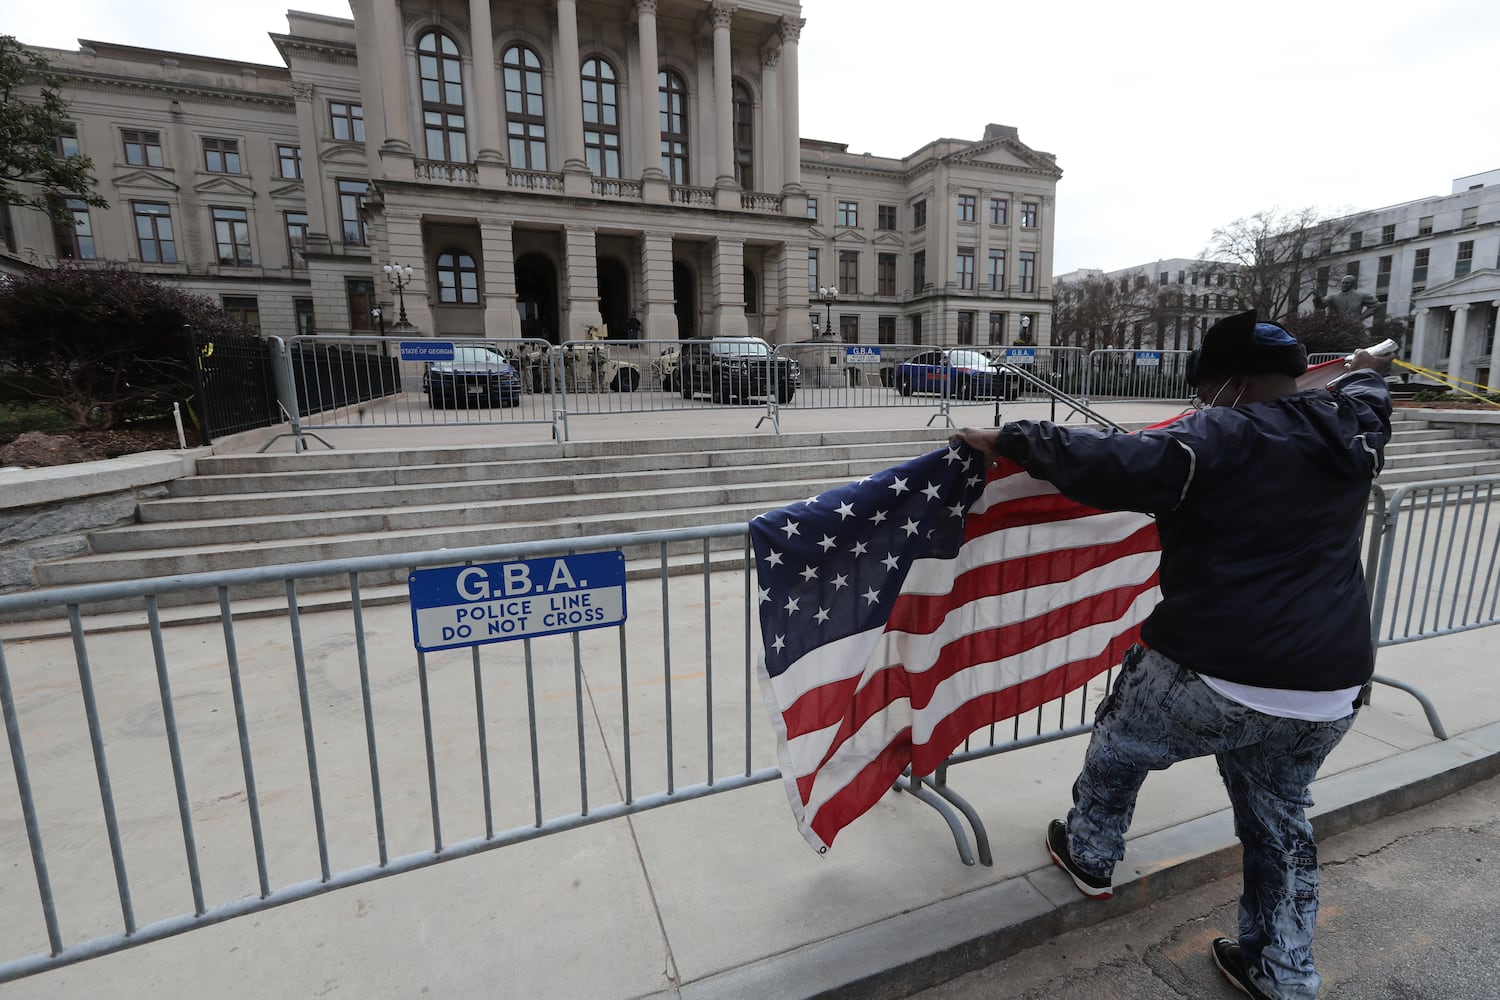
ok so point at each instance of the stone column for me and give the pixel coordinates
(570, 99)
(729, 288)
(1460, 333)
(650, 96)
(499, 267)
(1495, 350)
(769, 163)
(393, 97)
(791, 172)
(486, 114)
(318, 223)
(722, 16)
(792, 297)
(580, 283)
(658, 319)
(1044, 247)
(1419, 338)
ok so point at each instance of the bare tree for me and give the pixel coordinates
(1273, 257)
(1097, 311)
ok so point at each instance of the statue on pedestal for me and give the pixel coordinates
(1349, 300)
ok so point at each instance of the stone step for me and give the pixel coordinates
(1455, 470)
(1402, 446)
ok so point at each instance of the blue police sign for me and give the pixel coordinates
(1148, 359)
(1020, 355)
(861, 354)
(426, 350)
(454, 606)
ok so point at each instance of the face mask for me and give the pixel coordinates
(1198, 404)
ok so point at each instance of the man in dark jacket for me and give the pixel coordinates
(1261, 643)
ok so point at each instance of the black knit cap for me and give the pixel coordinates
(1238, 345)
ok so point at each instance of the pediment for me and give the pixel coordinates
(849, 236)
(144, 179)
(816, 233)
(1007, 152)
(889, 239)
(293, 192)
(343, 152)
(223, 186)
(1481, 284)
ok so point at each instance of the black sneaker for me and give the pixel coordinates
(1093, 886)
(1231, 962)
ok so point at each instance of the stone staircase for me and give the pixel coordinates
(258, 510)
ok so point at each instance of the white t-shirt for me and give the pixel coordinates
(1309, 706)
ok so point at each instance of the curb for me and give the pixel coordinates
(921, 948)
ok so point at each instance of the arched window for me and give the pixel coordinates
(752, 293)
(744, 136)
(524, 117)
(442, 98)
(457, 278)
(674, 130)
(601, 118)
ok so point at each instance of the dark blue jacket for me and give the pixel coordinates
(1260, 509)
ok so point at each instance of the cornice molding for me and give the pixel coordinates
(176, 89)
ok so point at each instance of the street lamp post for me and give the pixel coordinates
(829, 296)
(399, 276)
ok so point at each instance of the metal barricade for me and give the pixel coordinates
(1116, 374)
(429, 381)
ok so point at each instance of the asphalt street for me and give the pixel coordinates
(1409, 911)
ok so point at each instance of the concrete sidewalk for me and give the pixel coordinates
(718, 897)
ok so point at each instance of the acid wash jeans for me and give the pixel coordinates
(1159, 713)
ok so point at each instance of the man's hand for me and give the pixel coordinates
(986, 441)
(1374, 362)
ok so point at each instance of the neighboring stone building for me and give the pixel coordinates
(539, 181)
(1175, 301)
(1436, 263)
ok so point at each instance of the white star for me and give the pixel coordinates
(957, 510)
(774, 559)
(790, 528)
(821, 616)
(877, 517)
(765, 595)
(811, 500)
(779, 644)
(931, 491)
(900, 486)
(827, 543)
(872, 596)
(809, 574)
(952, 456)
(891, 562)
(845, 511)
(791, 606)
(840, 582)
(859, 548)
(910, 527)
(973, 481)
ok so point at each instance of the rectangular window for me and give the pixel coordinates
(997, 271)
(296, 238)
(232, 234)
(997, 328)
(361, 296)
(1163, 278)
(1352, 270)
(812, 209)
(153, 232)
(1465, 261)
(243, 308)
(1424, 226)
(1388, 234)
(919, 270)
(849, 329)
(848, 214)
(1470, 217)
(221, 156)
(812, 269)
(885, 329)
(303, 310)
(351, 212)
(919, 214)
(7, 229)
(886, 274)
(1383, 273)
(65, 143)
(885, 217)
(998, 207)
(142, 149)
(347, 120)
(1356, 240)
(965, 327)
(1320, 280)
(1419, 268)
(74, 238)
(848, 272)
(1027, 275)
(289, 161)
(966, 207)
(916, 329)
(965, 268)
(1028, 215)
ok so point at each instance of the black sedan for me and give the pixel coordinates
(477, 376)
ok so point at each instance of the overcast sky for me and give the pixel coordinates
(1168, 118)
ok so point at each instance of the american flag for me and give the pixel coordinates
(902, 613)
